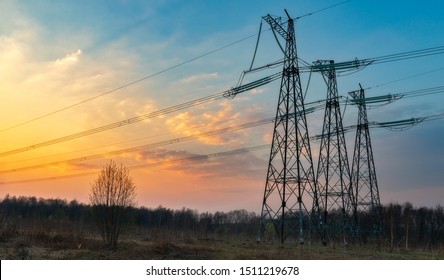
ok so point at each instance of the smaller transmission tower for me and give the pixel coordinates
(333, 173)
(289, 194)
(368, 211)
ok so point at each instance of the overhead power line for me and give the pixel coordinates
(357, 64)
(147, 116)
(161, 163)
(128, 84)
(405, 78)
(148, 146)
(158, 73)
(398, 125)
(349, 66)
(311, 107)
(375, 102)
(407, 55)
(321, 10)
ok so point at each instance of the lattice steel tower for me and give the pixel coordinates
(333, 173)
(368, 219)
(289, 195)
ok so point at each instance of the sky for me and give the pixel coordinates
(72, 66)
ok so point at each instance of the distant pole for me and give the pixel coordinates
(290, 188)
(367, 204)
(333, 173)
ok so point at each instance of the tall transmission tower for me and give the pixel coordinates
(368, 211)
(290, 189)
(333, 173)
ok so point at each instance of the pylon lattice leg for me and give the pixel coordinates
(333, 173)
(290, 184)
(368, 211)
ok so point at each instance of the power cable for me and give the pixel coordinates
(121, 142)
(389, 98)
(129, 84)
(148, 146)
(257, 45)
(357, 64)
(147, 116)
(398, 125)
(160, 72)
(407, 55)
(405, 78)
(321, 10)
(312, 107)
(162, 163)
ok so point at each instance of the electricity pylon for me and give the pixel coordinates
(368, 211)
(333, 173)
(290, 189)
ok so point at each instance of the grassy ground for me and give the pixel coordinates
(79, 246)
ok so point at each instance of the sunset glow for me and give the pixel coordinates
(73, 66)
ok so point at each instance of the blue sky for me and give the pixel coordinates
(57, 53)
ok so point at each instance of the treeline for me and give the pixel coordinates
(408, 227)
(18, 214)
(404, 226)
(207, 225)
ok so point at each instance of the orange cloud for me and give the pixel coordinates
(188, 123)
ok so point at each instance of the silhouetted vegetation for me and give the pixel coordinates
(60, 224)
(112, 193)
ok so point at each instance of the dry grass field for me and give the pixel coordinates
(156, 246)
(32, 228)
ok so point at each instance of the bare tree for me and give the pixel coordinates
(112, 193)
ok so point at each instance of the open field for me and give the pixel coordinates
(32, 228)
(134, 247)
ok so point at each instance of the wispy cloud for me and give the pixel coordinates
(204, 77)
(69, 59)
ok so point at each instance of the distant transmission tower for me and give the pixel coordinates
(333, 173)
(290, 175)
(368, 209)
